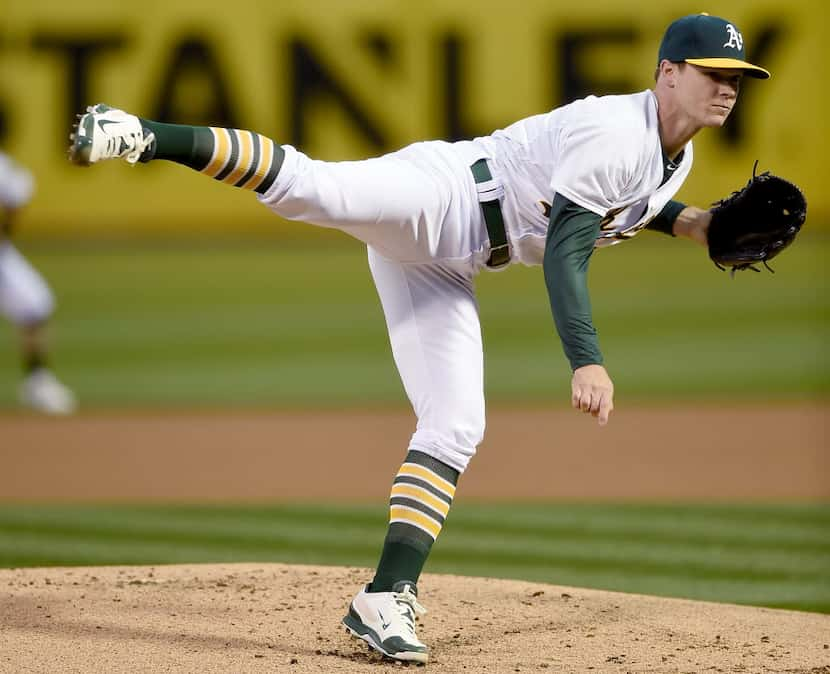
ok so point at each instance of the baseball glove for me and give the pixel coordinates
(755, 223)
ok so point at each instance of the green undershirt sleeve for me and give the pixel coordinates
(664, 220)
(570, 242)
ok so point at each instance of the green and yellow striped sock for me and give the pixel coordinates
(422, 494)
(235, 157)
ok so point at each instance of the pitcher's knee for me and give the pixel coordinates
(454, 447)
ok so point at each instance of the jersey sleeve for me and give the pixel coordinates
(664, 220)
(596, 166)
(568, 249)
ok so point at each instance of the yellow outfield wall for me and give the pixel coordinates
(345, 79)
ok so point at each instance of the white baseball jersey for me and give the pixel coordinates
(418, 211)
(604, 154)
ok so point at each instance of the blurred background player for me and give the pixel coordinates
(27, 301)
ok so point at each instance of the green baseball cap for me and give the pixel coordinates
(710, 41)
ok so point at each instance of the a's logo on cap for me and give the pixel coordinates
(735, 40)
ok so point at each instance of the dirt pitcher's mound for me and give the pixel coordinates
(281, 618)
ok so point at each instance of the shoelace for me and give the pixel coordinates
(135, 143)
(408, 607)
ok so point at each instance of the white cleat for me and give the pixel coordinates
(42, 391)
(107, 133)
(386, 621)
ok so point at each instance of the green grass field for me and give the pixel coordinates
(776, 556)
(299, 324)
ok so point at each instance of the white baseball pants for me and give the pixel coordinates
(25, 298)
(417, 210)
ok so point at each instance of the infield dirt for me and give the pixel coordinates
(280, 618)
(277, 618)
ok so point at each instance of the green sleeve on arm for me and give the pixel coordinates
(664, 220)
(570, 243)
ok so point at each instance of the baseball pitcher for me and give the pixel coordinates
(546, 191)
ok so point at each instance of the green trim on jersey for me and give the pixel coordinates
(570, 242)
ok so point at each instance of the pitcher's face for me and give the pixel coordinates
(707, 95)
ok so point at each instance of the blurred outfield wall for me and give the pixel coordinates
(345, 79)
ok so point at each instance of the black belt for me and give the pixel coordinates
(499, 248)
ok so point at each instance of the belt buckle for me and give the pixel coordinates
(496, 252)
